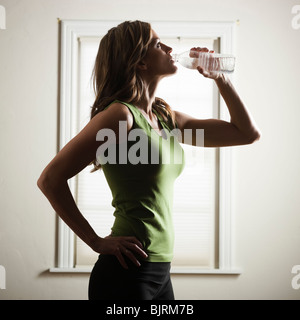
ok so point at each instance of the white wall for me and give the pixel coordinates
(266, 198)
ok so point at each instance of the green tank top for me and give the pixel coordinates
(142, 185)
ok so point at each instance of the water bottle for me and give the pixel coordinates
(211, 62)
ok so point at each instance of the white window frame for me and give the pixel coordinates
(71, 31)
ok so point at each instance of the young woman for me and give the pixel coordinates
(134, 260)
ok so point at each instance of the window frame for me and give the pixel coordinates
(71, 31)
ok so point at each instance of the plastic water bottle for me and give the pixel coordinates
(211, 62)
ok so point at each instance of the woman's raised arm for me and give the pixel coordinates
(218, 133)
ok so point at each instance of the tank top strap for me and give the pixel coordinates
(138, 118)
(140, 121)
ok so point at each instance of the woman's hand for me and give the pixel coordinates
(194, 53)
(119, 246)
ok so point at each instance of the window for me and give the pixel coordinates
(202, 215)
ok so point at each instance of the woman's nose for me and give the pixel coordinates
(169, 49)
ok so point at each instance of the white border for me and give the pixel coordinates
(71, 31)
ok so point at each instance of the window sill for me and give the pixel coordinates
(174, 270)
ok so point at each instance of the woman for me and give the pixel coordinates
(134, 261)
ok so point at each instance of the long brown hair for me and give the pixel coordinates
(115, 75)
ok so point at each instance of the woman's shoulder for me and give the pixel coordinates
(111, 116)
(118, 108)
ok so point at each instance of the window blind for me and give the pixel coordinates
(195, 192)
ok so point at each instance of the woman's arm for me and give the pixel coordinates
(218, 133)
(73, 158)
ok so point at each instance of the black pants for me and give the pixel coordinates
(110, 281)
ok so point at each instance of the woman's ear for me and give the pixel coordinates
(142, 65)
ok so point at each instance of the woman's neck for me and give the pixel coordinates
(146, 101)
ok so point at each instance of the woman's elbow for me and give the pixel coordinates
(48, 181)
(255, 136)
(43, 182)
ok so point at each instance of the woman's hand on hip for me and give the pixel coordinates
(120, 246)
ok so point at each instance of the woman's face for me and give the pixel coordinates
(158, 60)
